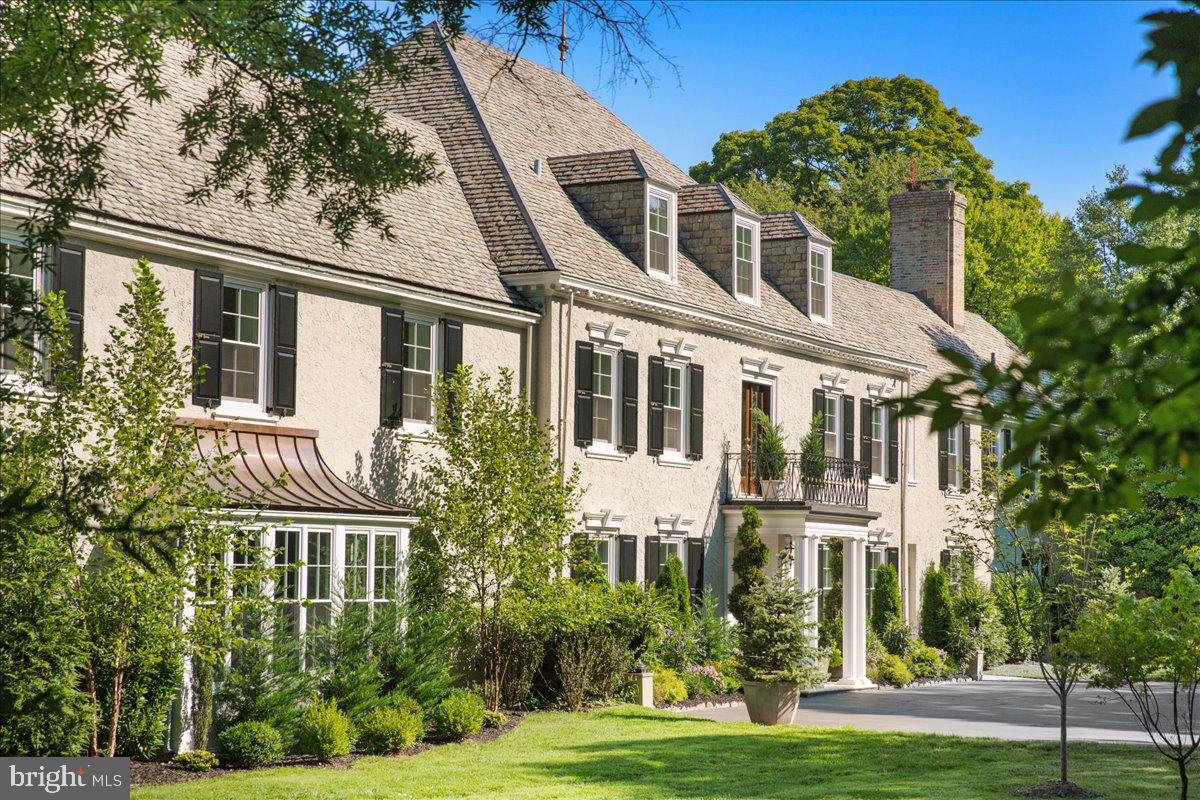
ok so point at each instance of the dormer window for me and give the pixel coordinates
(820, 294)
(745, 260)
(660, 233)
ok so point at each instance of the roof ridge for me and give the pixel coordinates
(492, 147)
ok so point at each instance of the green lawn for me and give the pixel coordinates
(634, 753)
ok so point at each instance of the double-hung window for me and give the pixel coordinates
(419, 364)
(745, 261)
(357, 568)
(660, 233)
(385, 559)
(668, 548)
(819, 281)
(833, 425)
(879, 430)
(603, 549)
(371, 568)
(673, 416)
(23, 282)
(954, 458)
(604, 385)
(242, 343)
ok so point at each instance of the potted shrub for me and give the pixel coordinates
(770, 456)
(778, 656)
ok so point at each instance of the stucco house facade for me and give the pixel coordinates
(645, 314)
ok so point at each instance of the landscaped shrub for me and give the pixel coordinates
(493, 719)
(250, 744)
(672, 583)
(885, 600)
(715, 639)
(194, 761)
(775, 638)
(323, 731)
(892, 671)
(388, 729)
(416, 651)
(875, 649)
(925, 662)
(264, 684)
(935, 609)
(347, 658)
(975, 622)
(1007, 591)
(749, 563)
(457, 716)
(703, 679)
(668, 687)
(899, 638)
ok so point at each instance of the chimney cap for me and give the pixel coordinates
(930, 185)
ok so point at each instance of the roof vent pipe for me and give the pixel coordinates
(537, 167)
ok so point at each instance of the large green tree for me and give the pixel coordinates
(290, 110)
(838, 157)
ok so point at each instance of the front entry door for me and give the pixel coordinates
(754, 395)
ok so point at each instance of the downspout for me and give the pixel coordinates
(565, 354)
(910, 429)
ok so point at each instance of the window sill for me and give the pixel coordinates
(605, 453)
(954, 494)
(665, 277)
(36, 390)
(235, 412)
(880, 483)
(416, 431)
(675, 460)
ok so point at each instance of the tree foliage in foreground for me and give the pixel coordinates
(290, 111)
(1108, 373)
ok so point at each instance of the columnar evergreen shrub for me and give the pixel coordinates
(265, 683)
(250, 745)
(672, 583)
(457, 716)
(935, 609)
(749, 563)
(323, 731)
(885, 601)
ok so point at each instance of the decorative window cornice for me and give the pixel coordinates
(674, 524)
(608, 333)
(879, 536)
(604, 520)
(678, 349)
(881, 391)
(760, 368)
(834, 381)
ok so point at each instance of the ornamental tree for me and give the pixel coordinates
(750, 562)
(885, 600)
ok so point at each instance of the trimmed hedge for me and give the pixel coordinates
(388, 729)
(323, 731)
(457, 716)
(250, 744)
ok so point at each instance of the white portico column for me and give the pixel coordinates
(805, 548)
(854, 612)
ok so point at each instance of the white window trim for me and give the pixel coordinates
(760, 370)
(673, 224)
(755, 262)
(677, 349)
(677, 458)
(14, 379)
(673, 525)
(231, 409)
(680, 541)
(954, 477)
(827, 319)
(607, 334)
(605, 524)
(910, 432)
(416, 429)
(607, 451)
(880, 480)
(838, 413)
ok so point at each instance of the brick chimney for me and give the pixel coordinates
(928, 260)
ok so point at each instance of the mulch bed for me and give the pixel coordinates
(708, 700)
(159, 773)
(1057, 789)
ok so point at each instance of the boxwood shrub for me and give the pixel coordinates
(323, 731)
(250, 744)
(457, 716)
(194, 761)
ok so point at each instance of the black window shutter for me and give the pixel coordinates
(696, 411)
(819, 406)
(695, 567)
(629, 401)
(206, 338)
(964, 441)
(283, 350)
(943, 460)
(893, 445)
(651, 559)
(583, 393)
(68, 279)
(627, 559)
(1005, 445)
(865, 408)
(848, 427)
(452, 355)
(893, 558)
(654, 413)
(391, 367)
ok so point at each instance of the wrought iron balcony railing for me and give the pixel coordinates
(812, 479)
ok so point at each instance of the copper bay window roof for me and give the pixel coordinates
(279, 468)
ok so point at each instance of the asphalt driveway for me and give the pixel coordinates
(1018, 709)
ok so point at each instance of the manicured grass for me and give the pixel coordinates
(635, 753)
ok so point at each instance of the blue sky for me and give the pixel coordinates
(1053, 85)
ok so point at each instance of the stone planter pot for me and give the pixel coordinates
(771, 490)
(822, 666)
(835, 673)
(772, 703)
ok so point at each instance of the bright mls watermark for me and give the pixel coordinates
(91, 778)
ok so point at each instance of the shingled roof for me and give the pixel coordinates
(436, 245)
(790, 225)
(699, 198)
(613, 167)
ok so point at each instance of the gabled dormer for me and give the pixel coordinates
(617, 192)
(798, 258)
(724, 235)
